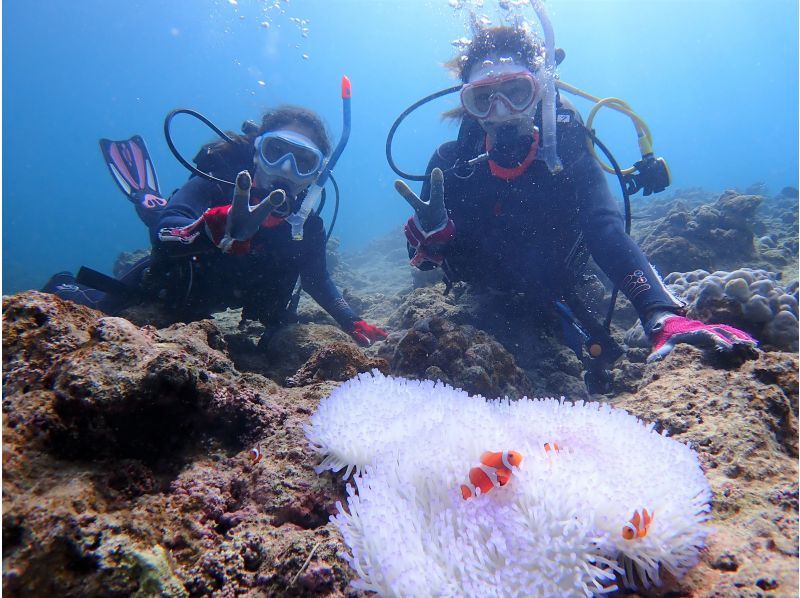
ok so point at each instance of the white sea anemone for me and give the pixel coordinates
(554, 529)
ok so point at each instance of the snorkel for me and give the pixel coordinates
(548, 153)
(297, 219)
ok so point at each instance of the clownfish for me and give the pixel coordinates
(256, 454)
(494, 471)
(638, 525)
(548, 448)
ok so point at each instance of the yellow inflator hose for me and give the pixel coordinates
(645, 139)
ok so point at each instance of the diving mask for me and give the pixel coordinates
(288, 155)
(516, 88)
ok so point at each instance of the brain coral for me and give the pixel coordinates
(754, 300)
(554, 530)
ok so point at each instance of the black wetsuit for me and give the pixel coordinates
(516, 235)
(262, 281)
(197, 279)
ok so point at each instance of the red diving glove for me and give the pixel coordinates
(430, 228)
(672, 330)
(216, 219)
(428, 246)
(232, 226)
(364, 334)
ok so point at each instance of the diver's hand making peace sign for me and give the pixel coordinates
(243, 219)
(430, 229)
(431, 215)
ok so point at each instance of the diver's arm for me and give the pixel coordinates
(615, 251)
(316, 280)
(185, 209)
(188, 203)
(626, 265)
(229, 227)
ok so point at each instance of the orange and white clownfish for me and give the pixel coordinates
(494, 471)
(255, 454)
(638, 525)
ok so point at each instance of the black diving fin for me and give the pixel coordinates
(133, 171)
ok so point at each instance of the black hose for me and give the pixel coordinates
(406, 112)
(335, 208)
(627, 201)
(189, 166)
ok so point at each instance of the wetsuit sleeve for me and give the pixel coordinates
(315, 279)
(185, 206)
(615, 251)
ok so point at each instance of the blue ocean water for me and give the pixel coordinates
(716, 81)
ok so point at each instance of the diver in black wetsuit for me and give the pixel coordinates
(511, 223)
(210, 253)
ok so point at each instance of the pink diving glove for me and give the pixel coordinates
(673, 329)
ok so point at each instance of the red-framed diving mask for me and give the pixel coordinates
(516, 91)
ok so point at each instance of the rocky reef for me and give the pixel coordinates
(437, 349)
(128, 464)
(127, 467)
(145, 457)
(690, 231)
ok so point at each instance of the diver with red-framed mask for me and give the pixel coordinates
(518, 202)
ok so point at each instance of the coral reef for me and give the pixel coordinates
(438, 349)
(777, 233)
(691, 229)
(126, 450)
(532, 333)
(375, 278)
(126, 467)
(711, 236)
(293, 345)
(743, 424)
(335, 361)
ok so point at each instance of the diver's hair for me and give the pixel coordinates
(514, 42)
(283, 115)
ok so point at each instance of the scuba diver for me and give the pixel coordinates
(218, 244)
(515, 203)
